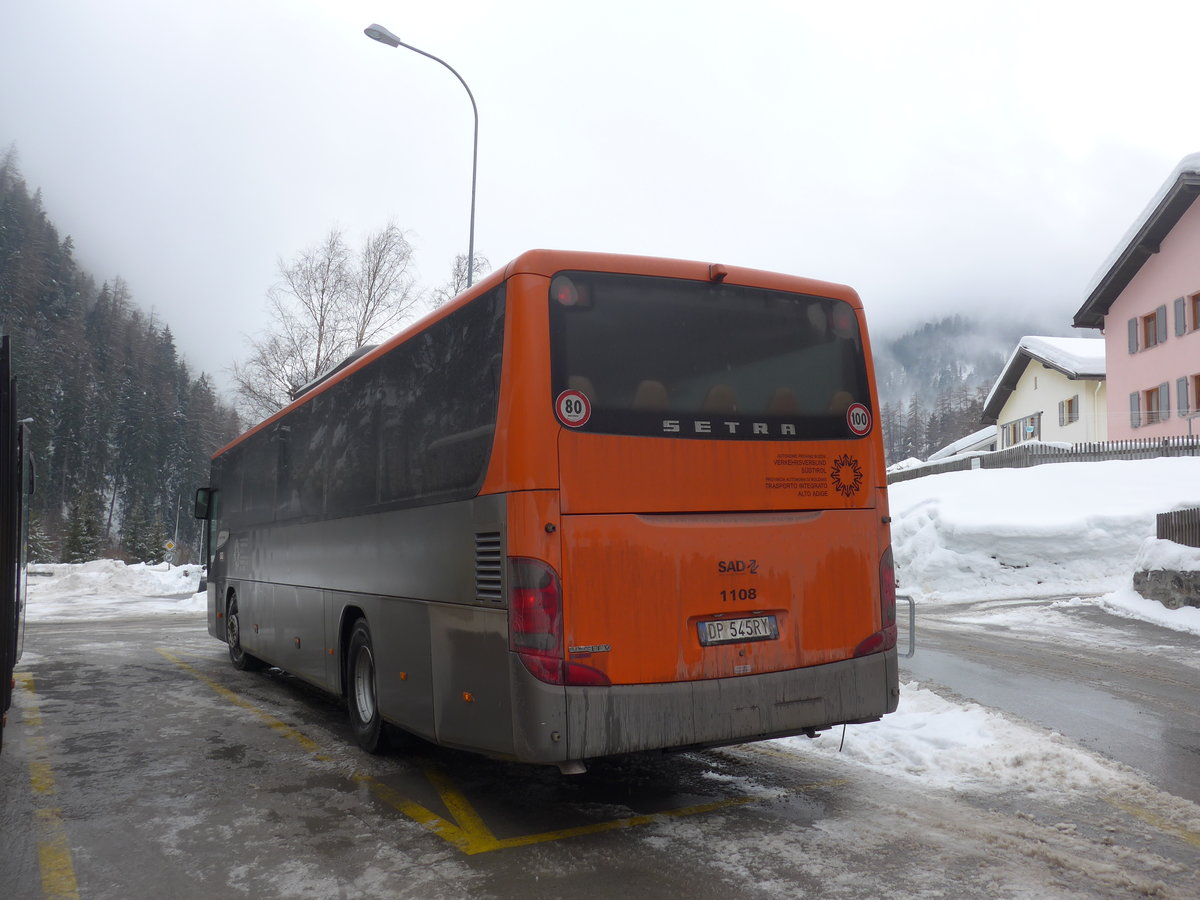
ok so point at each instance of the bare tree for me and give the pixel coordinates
(328, 304)
(458, 279)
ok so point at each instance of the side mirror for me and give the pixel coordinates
(203, 499)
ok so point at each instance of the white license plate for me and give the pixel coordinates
(729, 631)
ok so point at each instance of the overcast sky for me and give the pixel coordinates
(973, 155)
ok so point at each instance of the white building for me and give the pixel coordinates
(1051, 389)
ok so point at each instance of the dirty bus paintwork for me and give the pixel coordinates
(599, 504)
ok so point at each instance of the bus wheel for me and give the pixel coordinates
(233, 634)
(361, 697)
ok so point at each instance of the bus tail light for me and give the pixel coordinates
(885, 638)
(535, 625)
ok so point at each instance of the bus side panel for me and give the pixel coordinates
(404, 666)
(300, 635)
(472, 702)
(414, 575)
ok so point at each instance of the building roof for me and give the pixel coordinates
(1141, 241)
(1077, 358)
(976, 440)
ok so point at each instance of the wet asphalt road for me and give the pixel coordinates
(139, 764)
(1123, 688)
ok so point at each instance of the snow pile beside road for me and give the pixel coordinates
(1156, 554)
(947, 745)
(1068, 528)
(108, 588)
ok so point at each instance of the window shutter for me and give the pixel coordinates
(1074, 417)
(1133, 335)
(1135, 410)
(1164, 402)
(1180, 316)
(1181, 396)
(1062, 413)
(1160, 322)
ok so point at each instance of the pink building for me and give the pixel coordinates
(1146, 300)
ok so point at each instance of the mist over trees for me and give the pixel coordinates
(934, 378)
(122, 430)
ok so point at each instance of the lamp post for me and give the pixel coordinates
(381, 34)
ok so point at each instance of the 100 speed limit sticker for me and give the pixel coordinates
(573, 408)
(858, 417)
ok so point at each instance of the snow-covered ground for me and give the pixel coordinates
(107, 589)
(1070, 533)
(1068, 530)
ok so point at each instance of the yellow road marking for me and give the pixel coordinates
(468, 832)
(1159, 822)
(53, 848)
(281, 728)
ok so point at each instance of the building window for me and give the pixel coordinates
(1151, 405)
(1150, 331)
(1193, 303)
(1068, 410)
(1156, 403)
(1028, 428)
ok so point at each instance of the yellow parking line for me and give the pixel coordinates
(1159, 822)
(468, 832)
(281, 728)
(53, 848)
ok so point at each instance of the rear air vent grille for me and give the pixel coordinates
(488, 559)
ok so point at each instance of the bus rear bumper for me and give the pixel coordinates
(632, 718)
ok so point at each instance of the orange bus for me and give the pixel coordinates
(598, 504)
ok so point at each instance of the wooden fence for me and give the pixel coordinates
(1036, 454)
(1181, 526)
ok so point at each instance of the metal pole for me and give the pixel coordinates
(381, 34)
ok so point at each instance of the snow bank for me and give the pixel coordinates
(1129, 604)
(938, 743)
(1052, 530)
(108, 588)
(1156, 554)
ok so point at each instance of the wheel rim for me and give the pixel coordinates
(233, 633)
(364, 685)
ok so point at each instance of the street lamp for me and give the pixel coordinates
(381, 34)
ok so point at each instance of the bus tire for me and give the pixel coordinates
(233, 635)
(362, 698)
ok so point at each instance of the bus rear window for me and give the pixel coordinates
(666, 357)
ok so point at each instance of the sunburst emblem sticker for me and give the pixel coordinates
(847, 475)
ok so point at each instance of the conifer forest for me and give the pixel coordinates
(122, 430)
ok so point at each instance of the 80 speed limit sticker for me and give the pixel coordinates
(573, 408)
